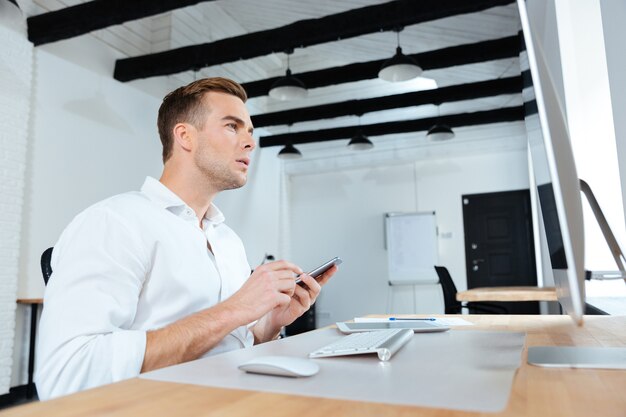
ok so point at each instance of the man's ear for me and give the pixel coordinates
(183, 135)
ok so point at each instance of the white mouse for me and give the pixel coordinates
(281, 365)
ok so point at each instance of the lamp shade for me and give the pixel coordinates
(289, 152)
(288, 88)
(12, 17)
(360, 143)
(399, 68)
(440, 132)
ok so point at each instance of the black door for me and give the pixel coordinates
(499, 246)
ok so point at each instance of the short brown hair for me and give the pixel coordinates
(184, 105)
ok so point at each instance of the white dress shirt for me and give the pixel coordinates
(134, 262)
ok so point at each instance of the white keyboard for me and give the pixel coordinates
(382, 342)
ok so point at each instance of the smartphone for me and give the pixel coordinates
(322, 268)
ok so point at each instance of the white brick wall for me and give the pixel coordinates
(15, 92)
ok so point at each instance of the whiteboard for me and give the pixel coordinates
(412, 248)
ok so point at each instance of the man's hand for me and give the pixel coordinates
(302, 299)
(270, 286)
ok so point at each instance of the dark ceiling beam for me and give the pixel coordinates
(507, 114)
(98, 14)
(441, 58)
(469, 91)
(299, 34)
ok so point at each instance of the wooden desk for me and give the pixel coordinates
(536, 391)
(508, 294)
(34, 310)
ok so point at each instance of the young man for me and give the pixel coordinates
(153, 278)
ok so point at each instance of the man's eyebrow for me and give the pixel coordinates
(239, 121)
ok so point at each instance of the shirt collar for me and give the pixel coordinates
(165, 198)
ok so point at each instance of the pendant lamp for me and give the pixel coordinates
(360, 142)
(440, 131)
(288, 87)
(289, 152)
(399, 67)
(12, 17)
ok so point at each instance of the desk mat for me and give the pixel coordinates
(459, 369)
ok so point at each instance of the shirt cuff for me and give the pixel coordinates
(128, 353)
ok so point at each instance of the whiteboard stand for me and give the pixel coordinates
(412, 251)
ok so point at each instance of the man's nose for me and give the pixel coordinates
(249, 142)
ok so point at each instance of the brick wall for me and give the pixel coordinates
(16, 56)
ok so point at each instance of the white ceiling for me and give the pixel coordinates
(213, 20)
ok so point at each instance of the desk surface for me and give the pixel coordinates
(30, 300)
(536, 391)
(508, 294)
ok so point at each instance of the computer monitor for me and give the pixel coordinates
(560, 204)
(555, 177)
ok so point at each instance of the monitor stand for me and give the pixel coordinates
(587, 357)
(616, 251)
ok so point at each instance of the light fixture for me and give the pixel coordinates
(12, 17)
(289, 152)
(399, 67)
(360, 142)
(288, 87)
(439, 131)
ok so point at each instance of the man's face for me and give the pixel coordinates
(225, 142)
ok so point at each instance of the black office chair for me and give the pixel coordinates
(452, 306)
(46, 269)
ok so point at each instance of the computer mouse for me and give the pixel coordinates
(281, 365)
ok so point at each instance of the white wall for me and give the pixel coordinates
(340, 213)
(253, 210)
(92, 137)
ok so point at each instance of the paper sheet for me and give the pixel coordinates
(458, 369)
(442, 321)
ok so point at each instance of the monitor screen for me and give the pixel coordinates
(555, 174)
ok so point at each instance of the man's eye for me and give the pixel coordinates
(232, 126)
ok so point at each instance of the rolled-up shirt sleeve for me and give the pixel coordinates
(86, 335)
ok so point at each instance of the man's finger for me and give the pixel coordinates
(282, 265)
(323, 279)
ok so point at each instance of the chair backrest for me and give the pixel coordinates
(46, 269)
(451, 305)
